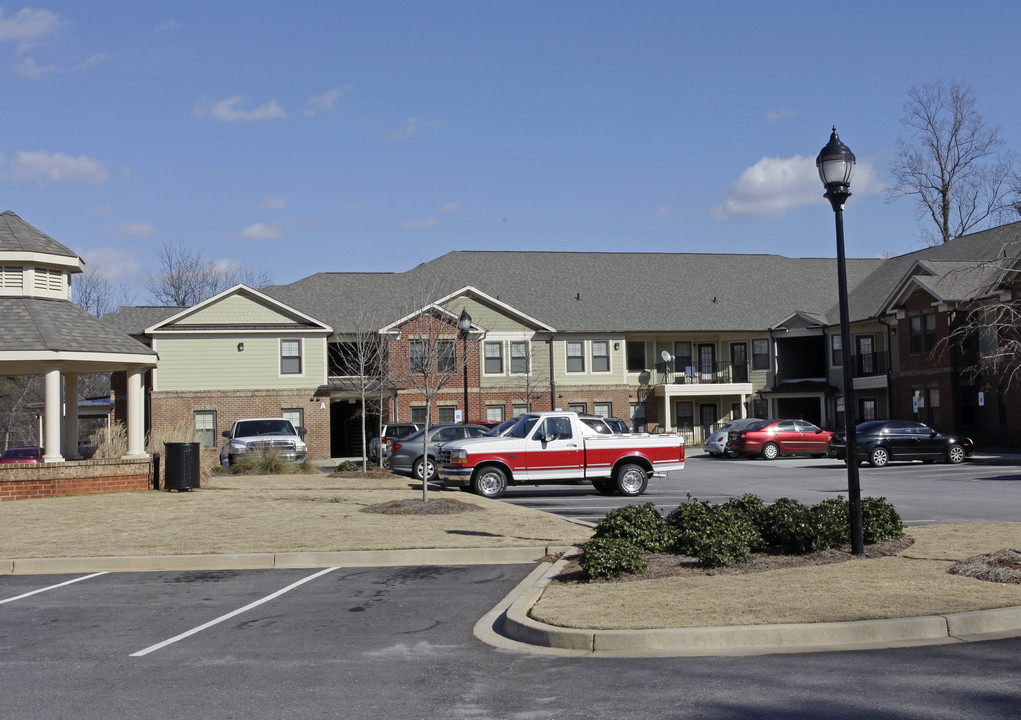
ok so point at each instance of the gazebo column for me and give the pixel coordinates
(136, 420)
(51, 429)
(70, 416)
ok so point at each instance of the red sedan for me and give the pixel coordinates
(772, 438)
(21, 455)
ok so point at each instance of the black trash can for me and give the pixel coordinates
(182, 465)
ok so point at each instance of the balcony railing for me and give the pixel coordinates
(869, 364)
(718, 373)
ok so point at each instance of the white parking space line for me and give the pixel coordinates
(51, 587)
(229, 615)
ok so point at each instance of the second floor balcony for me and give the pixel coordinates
(678, 379)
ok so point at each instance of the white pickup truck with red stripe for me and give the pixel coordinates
(556, 447)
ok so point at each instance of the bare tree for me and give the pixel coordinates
(425, 357)
(17, 424)
(185, 277)
(953, 164)
(359, 358)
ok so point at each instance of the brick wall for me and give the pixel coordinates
(170, 408)
(87, 477)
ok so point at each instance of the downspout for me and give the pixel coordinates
(552, 381)
(889, 365)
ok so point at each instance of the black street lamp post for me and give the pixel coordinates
(836, 166)
(464, 324)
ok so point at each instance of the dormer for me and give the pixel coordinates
(32, 264)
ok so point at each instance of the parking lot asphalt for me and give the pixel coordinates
(508, 624)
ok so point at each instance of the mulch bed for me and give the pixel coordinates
(376, 474)
(664, 565)
(440, 506)
(1002, 566)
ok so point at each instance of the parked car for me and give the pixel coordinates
(406, 454)
(772, 438)
(391, 431)
(618, 426)
(717, 443)
(253, 436)
(21, 455)
(880, 441)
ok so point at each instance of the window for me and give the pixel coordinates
(915, 332)
(517, 410)
(494, 358)
(760, 354)
(418, 415)
(290, 357)
(682, 357)
(867, 409)
(603, 408)
(519, 358)
(558, 427)
(635, 356)
(760, 408)
(295, 415)
(446, 362)
(494, 413)
(930, 331)
(637, 413)
(575, 356)
(685, 416)
(446, 413)
(600, 356)
(836, 354)
(418, 356)
(205, 427)
(577, 407)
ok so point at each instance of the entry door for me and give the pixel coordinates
(866, 356)
(707, 420)
(707, 363)
(739, 362)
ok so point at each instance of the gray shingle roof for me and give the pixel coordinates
(41, 324)
(16, 235)
(134, 319)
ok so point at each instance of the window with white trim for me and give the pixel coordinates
(519, 357)
(205, 427)
(575, 356)
(494, 413)
(577, 407)
(418, 414)
(295, 415)
(600, 356)
(760, 354)
(603, 408)
(494, 358)
(517, 410)
(290, 357)
(446, 413)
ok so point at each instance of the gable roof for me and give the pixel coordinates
(286, 316)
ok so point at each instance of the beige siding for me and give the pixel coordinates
(618, 362)
(204, 362)
(491, 319)
(236, 310)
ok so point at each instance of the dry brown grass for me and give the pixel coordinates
(914, 582)
(261, 514)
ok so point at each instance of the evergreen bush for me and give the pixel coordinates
(641, 524)
(612, 557)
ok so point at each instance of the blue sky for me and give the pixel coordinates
(371, 136)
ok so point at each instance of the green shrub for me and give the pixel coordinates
(641, 524)
(748, 505)
(833, 523)
(783, 524)
(611, 557)
(347, 466)
(715, 534)
(691, 522)
(880, 520)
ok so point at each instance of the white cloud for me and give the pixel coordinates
(422, 224)
(28, 26)
(277, 203)
(325, 101)
(228, 110)
(412, 128)
(449, 208)
(261, 231)
(772, 186)
(662, 213)
(41, 167)
(777, 115)
(114, 264)
(28, 69)
(137, 230)
(92, 61)
(167, 26)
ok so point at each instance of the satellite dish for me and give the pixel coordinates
(667, 357)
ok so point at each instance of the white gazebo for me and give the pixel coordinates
(43, 333)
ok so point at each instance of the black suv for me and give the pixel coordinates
(880, 441)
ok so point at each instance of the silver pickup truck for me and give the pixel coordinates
(254, 436)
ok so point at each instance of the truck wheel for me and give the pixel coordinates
(631, 479)
(606, 487)
(489, 482)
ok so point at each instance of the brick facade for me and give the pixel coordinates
(87, 477)
(172, 407)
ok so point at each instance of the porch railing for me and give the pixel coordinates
(723, 372)
(870, 364)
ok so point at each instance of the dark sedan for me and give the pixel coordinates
(880, 441)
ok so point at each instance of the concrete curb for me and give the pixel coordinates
(754, 639)
(262, 561)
